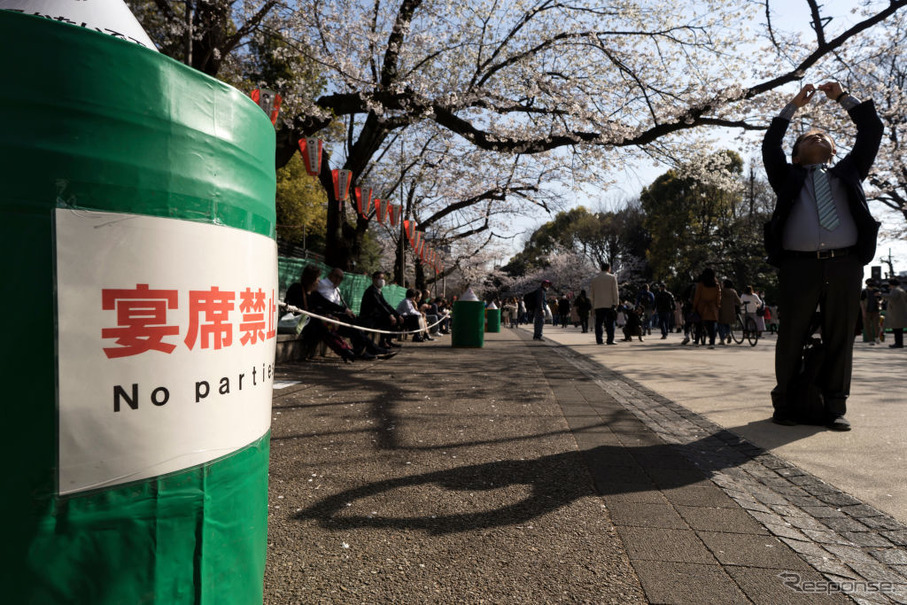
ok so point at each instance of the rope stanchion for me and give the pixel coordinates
(331, 320)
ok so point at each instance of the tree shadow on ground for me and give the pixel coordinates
(552, 482)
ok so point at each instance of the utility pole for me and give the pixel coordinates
(890, 262)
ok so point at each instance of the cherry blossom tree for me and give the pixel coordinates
(579, 84)
(452, 193)
(533, 77)
(875, 69)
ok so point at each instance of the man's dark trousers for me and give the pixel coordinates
(834, 285)
(538, 323)
(664, 322)
(606, 317)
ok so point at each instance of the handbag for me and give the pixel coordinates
(694, 317)
(760, 311)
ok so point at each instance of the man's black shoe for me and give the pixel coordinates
(388, 355)
(366, 356)
(390, 344)
(783, 420)
(838, 423)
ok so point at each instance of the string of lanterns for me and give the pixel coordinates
(311, 150)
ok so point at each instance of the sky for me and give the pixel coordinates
(630, 179)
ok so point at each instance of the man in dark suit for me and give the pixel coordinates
(376, 312)
(820, 236)
(540, 302)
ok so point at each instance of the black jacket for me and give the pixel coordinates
(787, 180)
(374, 307)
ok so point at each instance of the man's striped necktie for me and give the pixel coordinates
(828, 216)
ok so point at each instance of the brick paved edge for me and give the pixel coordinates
(849, 542)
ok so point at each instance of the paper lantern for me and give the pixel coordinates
(341, 180)
(311, 155)
(269, 101)
(363, 200)
(393, 214)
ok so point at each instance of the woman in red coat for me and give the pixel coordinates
(707, 302)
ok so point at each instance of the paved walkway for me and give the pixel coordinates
(528, 472)
(729, 385)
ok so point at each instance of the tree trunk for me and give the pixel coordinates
(420, 274)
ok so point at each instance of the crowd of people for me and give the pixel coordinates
(890, 298)
(703, 313)
(418, 314)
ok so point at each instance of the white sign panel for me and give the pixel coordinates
(166, 339)
(110, 17)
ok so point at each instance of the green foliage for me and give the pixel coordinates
(600, 237)
(301, 207)
(369, 259)
(707, 217)
(685, 217)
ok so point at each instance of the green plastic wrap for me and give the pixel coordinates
(492, 320)
(468, 324)
(94, 123)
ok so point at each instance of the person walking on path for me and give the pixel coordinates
(727, 314)
(664, 306)
(820, 236)
(583, 306)
(509, 312)
(645, 301)
(707, 301)
(871, 304)
(751, 305)
(540, 302)
(691, 320)
(603, 295)
(563, 310)
(896, 316)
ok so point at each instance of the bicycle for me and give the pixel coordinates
(744, 327)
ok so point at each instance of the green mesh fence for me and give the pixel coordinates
(352, 288)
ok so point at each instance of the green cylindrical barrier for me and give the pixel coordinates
(468, 324)
(140, 267)
(492, 320)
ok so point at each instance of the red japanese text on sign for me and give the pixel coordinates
(215, 305)
(141, 320)
(252, 306)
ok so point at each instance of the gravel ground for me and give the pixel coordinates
(440, 476)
